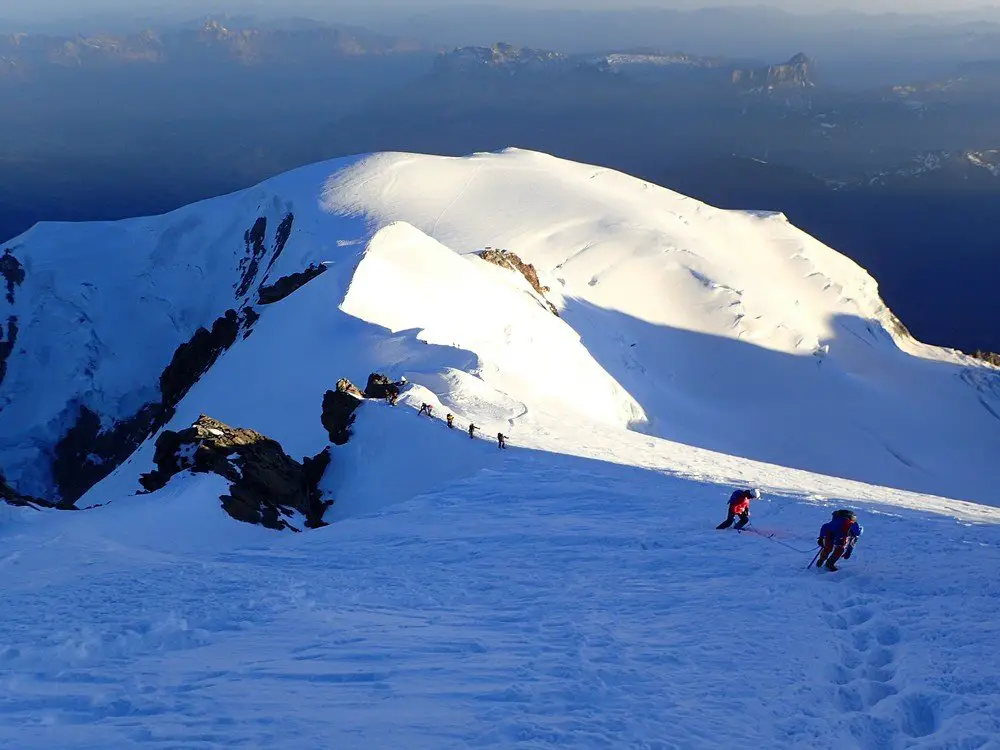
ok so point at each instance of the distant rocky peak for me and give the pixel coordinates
(501, 56)
(796, 73)
(988, 160)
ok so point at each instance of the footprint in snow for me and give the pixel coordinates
(888, 635)
(882, 657)
(919, 715)
(874, 693)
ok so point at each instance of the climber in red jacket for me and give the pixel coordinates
(739, 505)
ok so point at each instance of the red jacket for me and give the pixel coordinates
(739, 502)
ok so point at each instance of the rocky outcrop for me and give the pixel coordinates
(379, 386)
(13, 275)
(266, 486)
(796, 73)
(989, 358)
(281, 235)
(90, 451)
(193, 359)
(8, 339)
(248, 317)
(12, 272)
(12, 497)
(286, 285)
(338, 411)
(510, 261)
(254, 239)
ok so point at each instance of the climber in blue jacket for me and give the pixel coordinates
(837, 537)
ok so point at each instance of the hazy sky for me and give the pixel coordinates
(48, 8)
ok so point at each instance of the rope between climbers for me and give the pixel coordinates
(748, 527)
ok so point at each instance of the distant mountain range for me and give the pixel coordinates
(211, 42)
(108, 126)
(646, 63)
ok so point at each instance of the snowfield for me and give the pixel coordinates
(570, 591)
(541, 601)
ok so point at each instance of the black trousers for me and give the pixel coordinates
(744, 520)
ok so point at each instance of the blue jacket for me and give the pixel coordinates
(839, 530)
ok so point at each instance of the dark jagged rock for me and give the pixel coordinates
(255, 249)
(338, 411)
(12, 497)
(8, 339)
(286, 285)
(313, 469)
(12, 272)
(379, 386)
(254, 239)
(248, 318)
(86, 454)
(510, 261)
(266, 486)
(280, 239)
(898, 326)
(989, 358)
(91, 449)
(193, 358)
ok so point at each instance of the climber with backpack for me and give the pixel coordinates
(450, 419)
(739, 505)
(837, 538)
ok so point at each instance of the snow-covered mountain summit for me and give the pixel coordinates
(643, 353)
(731, 331)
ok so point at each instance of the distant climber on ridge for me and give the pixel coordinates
(450, 419)
(739, 505)
(837, 537)
(392, 394)
(472, 430)
(501, 440)
(425, 409)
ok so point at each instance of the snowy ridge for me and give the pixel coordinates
(706, 317)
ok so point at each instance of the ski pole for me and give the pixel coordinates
(814, 558)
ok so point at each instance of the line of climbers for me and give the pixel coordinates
(837, 537)
(392, 396)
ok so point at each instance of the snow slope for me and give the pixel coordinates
(540, 600)
(730, 331)
(571, 591)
